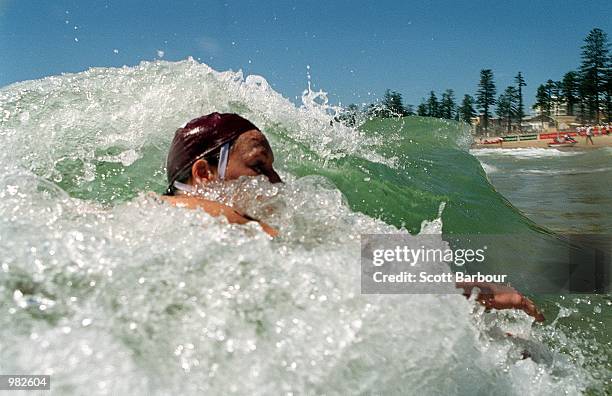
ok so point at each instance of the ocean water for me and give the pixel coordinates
(566, 191)
(111, 292)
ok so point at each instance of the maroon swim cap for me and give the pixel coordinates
(200, 137)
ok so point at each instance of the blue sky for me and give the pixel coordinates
(355, 49)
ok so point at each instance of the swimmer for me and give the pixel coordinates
(219, 147)
(216, 147)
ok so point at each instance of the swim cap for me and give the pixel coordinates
(199, 137)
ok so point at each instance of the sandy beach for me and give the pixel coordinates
(599, 141)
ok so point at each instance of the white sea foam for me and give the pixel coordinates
(523, 152)
(489, 168)
(570, 171)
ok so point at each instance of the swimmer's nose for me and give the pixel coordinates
(273, 177)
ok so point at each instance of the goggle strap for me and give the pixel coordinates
(223, 157)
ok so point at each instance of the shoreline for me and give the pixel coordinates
(599, 142)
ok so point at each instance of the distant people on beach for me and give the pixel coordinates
(497, 140)
(568, 139)
(565, 137)
(589, 135)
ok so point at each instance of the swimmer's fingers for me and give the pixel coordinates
(504, 297)
(488, 300)
(531, 309)
(273, 232)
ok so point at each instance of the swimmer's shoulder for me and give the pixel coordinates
(193, 202)
(214, 208)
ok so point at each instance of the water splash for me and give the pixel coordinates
(97, 276)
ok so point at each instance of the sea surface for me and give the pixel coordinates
(568, 191)
(112, 292)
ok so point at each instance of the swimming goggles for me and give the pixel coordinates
(222, 168)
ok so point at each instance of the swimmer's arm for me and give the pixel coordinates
(216, 209)
(501, 297)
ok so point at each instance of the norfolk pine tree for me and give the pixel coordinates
(466, 110)
(485, 96)
(520, 109)
(594, 69)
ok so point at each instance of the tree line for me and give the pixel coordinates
(589, 87)
(392, 105)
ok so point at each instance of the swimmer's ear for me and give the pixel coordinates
(201, 172)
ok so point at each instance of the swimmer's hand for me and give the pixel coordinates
(501, 297)
(273, 232)
(214, 208)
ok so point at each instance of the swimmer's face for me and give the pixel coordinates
(250, 155)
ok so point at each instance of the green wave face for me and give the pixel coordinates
(431, 166)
